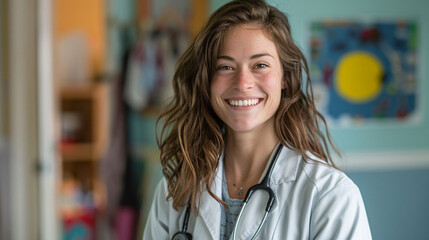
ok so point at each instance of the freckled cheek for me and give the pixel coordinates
(218, 86)
(216, 91)
(272, 83)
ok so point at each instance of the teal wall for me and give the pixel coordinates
(396, 203)
(120, 17)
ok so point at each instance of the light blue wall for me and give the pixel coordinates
(397, 203)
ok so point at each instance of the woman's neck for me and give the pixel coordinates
(246, 155)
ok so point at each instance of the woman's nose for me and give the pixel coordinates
(244, 80)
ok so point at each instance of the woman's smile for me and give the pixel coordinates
(241, 103)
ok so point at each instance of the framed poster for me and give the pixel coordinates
(365, 72)
(368, 84)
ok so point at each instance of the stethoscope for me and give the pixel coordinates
(264, 185)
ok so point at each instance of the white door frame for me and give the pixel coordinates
(49, 168)
(22, 69)
(31, 121)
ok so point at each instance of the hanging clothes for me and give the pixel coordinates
(152, 66)
(112, 166)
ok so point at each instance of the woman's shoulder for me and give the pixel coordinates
(325, 178)
(338, 211)
(161, 189)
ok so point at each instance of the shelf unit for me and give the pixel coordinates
(85, 110)
(83, 115)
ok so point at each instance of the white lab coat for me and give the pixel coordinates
(313, 201)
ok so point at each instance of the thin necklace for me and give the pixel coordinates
(239, 189)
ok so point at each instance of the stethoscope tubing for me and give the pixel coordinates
(184, 235)
(257, 230)
(265, 186)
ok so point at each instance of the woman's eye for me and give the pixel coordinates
(261, 65)
(224, 67)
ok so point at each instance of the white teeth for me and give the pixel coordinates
(244, 103)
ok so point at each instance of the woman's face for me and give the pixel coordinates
(246, 86)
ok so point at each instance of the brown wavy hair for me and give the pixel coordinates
(191, 137)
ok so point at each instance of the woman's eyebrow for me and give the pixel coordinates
(261, 55)
(226, 58)
(251, 57)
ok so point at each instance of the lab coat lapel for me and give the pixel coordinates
(210, 209)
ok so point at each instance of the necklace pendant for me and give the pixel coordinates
(240, 192)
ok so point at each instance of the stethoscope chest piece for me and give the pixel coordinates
(182, 236)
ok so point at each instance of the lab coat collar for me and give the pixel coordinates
(286, 168)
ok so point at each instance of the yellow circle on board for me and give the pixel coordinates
(359, 77)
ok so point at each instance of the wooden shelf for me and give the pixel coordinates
(79, 152)
(84, 115)
(86, 91)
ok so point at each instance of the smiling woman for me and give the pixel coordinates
(242, 121)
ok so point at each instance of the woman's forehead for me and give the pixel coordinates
(246, 39)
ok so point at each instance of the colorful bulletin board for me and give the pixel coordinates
(365, 72)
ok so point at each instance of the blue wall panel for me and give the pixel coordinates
(396, 203)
